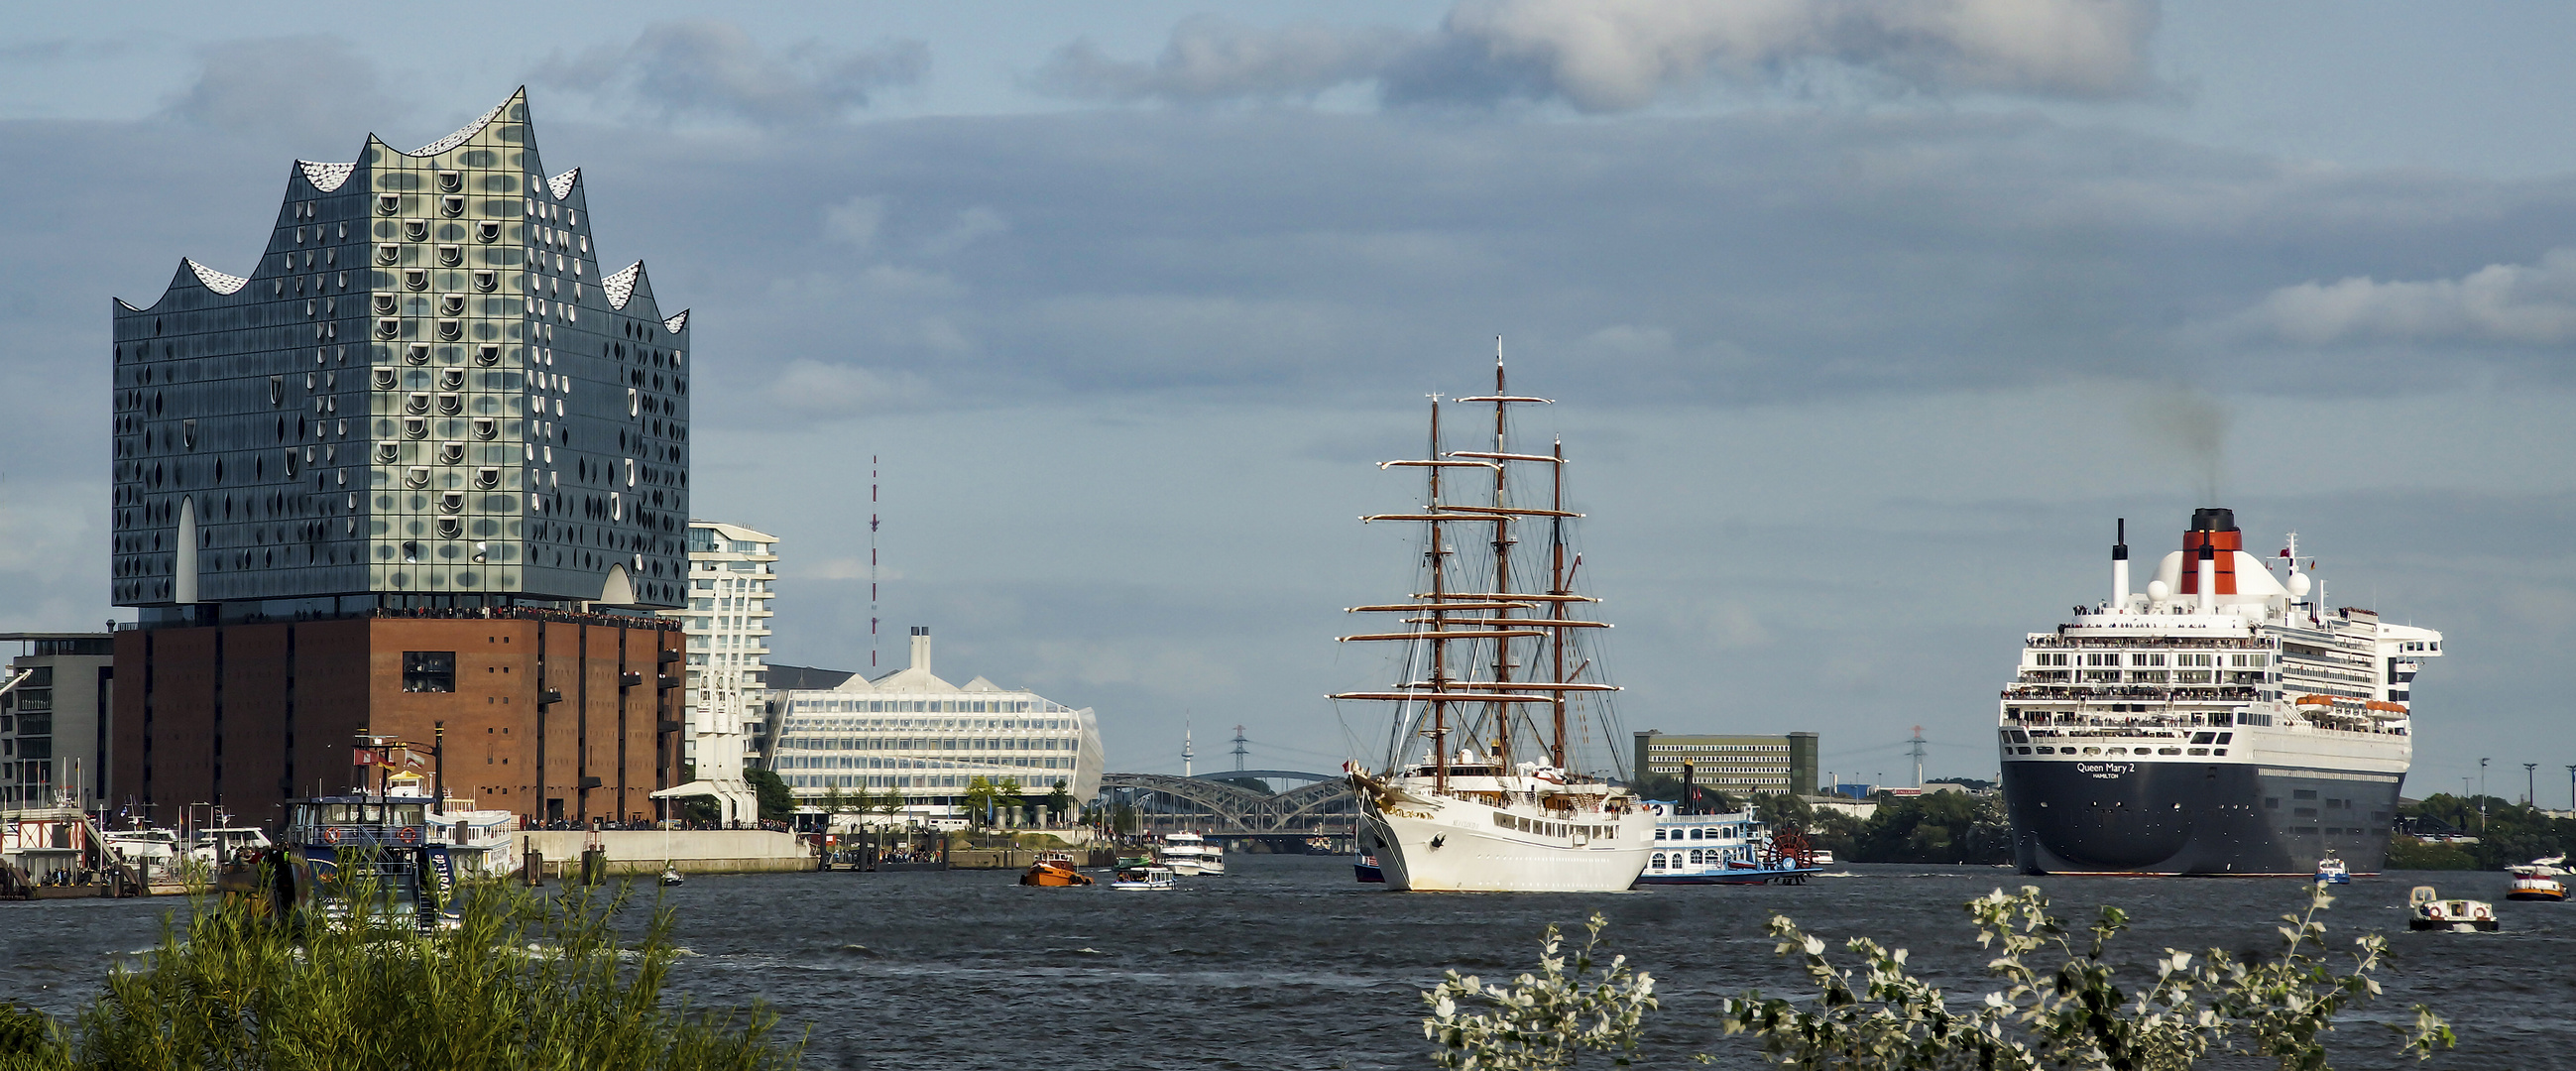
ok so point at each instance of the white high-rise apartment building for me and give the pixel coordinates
(727, 618)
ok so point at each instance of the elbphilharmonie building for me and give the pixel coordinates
(420, 472)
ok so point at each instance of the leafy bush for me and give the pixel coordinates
(523, 982)
(1543, 1020)
(1882, 1018)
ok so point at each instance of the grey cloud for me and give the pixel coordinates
(1621, 55)
(2515, 304)
(715, 70)
(1215, 59)
(1742, 259)
(267, 86)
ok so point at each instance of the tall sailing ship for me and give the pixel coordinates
(1478, 790)
(2223, 721)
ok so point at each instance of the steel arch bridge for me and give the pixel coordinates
(1321, 803)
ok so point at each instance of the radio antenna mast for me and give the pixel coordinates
(872, 563)
(1918, 756)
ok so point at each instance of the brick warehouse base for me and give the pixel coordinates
(553, 716)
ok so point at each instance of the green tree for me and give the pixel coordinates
(979, 799)
(834, 801)
(1008, 793)
(1060, 801)
(1123, 819)
(777, 801)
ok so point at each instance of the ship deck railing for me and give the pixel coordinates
(2237, 643)
(2123, 693)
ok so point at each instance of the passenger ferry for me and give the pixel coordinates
(2223, 721)
(337, 846)
(1733, 848)
(1182, 852)
(1144, 879)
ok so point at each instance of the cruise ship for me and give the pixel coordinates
(2223, 721)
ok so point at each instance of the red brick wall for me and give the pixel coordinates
(295, 697)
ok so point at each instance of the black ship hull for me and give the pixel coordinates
(2199, 818)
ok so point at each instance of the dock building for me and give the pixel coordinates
(54, 698)
(727, 625)
(421, 472)
(1770, 764)
(913, 733)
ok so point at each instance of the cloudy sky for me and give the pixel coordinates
(1866, 319)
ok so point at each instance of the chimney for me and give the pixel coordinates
(2120, 569)
(921, 648)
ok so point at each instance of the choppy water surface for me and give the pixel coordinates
(1286, 963)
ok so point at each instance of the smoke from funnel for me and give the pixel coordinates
(2186, 427)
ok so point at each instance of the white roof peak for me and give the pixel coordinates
(620, 285)
(562, 184)
(326, 177)
(219, 282)
(462, 134)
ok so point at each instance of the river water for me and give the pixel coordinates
(1287, 963)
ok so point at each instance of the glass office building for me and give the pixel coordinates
(427, 388)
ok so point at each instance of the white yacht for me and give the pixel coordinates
(1183, 852)
(2223, 721)
(1212, 860)
(1498, 676)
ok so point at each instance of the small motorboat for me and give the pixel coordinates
(1054, 870)
(2426, 910)
(2331, 871)
(1144, 879)
(2538, 880)
(671, 875)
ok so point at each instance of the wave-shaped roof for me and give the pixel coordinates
(620, 285)
(677, 323)
(219, 282)
(326, 177)
(562, 184)
(467, 131)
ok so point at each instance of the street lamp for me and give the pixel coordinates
(2530, 794)
(2482, 795)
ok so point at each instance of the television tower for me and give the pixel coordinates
(1186, 753)
(1238, 749)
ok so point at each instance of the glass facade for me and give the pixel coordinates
(426, 386)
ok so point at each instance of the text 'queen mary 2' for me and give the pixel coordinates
(2220, 722)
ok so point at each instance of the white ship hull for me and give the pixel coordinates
(1431, 843)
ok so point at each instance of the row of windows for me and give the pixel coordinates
(1719, 747)
(925, 743)
(2201, 659)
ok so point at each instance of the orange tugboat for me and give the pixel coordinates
(1054, 870)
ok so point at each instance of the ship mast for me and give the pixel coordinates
(1438, 553)
(1556, 586)
(1447, 615)
(1502, 572)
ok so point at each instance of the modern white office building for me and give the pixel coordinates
(726, 620)
(919, 735)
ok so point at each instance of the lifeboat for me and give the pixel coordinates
(1054, 870)
(2386, 706)
(2316, 700)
